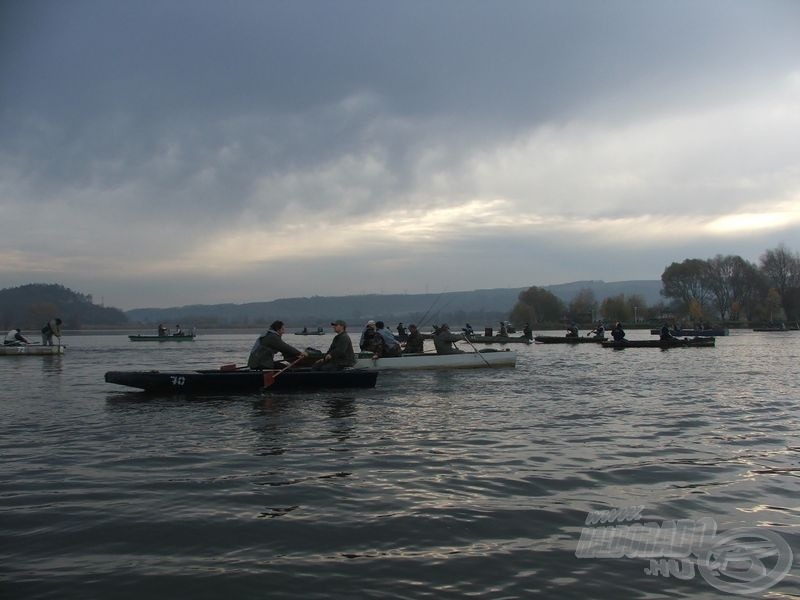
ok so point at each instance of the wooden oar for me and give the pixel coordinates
(269, 378)
(466, 339)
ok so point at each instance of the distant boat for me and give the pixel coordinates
(461, 360)
(498, 339)
(183, 337)
(776, 328)
(696, 342)
(317, 331)
(31, 350)
(710, 332)
(562, 339)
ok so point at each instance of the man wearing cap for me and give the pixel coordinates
(340, 354)
(367, 341)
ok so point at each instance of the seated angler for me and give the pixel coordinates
(15, 338)
(444, 341)
(414, 344)
(390, 345)
(262, 355)
(340, 353)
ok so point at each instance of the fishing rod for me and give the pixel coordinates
(425, 316)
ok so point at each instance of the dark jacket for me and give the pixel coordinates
(341, 351)
(415, 343)
(262, 355)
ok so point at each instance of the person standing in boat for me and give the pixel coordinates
(52, 328)
(503, 331)
(389, 345)
(444, 341)
(340, 354)
(262, 355)
(414, 344)
(617, 332)
(15, 338)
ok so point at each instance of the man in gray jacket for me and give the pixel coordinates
(443, 341)
(262, 355)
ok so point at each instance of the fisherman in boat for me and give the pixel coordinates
(572, 330)
(503, 331)
(598, 331)
(666, 335)
(262, 354)
(162, 330)
(617, 332)
(444, 341)
(178, 330)
(468, 330)
(402, 334)
(15, 338)
(340, 354)
(52, 328)
(370, 341)
(527, 332)
(389, 344)
(414, 344)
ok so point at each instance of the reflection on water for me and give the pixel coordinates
(434, 484)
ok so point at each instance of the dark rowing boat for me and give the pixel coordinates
(560, 339)
(245, 380)
(697, 342)
(712, 332)
(183, 337)
(498, 339)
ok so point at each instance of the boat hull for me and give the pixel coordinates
(31, 350)
(222, 381)
(713, 332)
(161, 338)
(466, 360)
(496, 339)
(560, 339)
(698, 342)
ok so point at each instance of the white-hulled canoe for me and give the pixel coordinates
(466, 360)
(31, 350)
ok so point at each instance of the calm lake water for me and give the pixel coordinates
(433, 485)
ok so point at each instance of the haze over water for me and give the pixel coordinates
(433, 485)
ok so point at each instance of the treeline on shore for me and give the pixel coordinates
(31, 306)
(727, 290)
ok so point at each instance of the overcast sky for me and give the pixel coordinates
(168, 152)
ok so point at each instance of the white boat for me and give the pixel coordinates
(465, 360)
(31, 350)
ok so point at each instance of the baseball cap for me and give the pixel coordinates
(339, 322)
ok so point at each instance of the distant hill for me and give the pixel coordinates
(31, 306)
(479, 307)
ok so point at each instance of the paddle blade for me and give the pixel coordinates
(269, 379)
